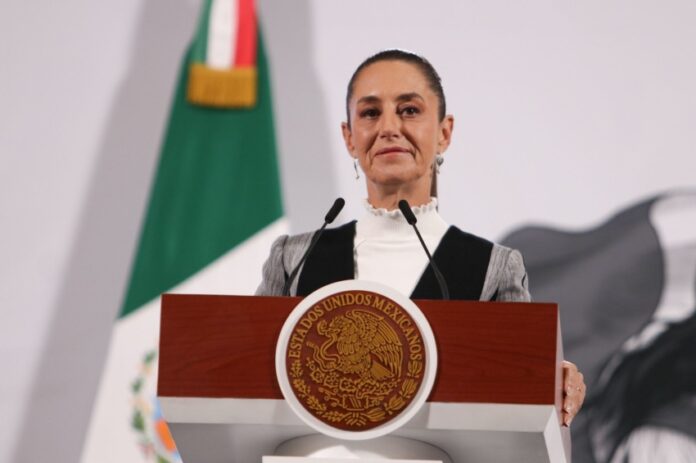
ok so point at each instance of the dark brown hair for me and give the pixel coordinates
(421, 63)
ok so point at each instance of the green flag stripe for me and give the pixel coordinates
(200, 44)
(216, 185)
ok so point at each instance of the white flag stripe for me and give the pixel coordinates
(237, 272)
(222, 33)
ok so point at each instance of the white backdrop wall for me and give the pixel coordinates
(564, 112)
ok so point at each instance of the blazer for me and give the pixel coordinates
(474, 268)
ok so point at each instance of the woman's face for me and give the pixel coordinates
(394, 131)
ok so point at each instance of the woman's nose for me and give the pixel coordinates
(390, 125)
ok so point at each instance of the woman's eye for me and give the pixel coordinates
(410, 111)
(369, 113)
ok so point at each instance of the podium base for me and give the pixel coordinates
(387, 448)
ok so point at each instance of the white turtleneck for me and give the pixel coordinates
(386, 248)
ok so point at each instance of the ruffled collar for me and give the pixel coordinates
(385, 224)
(396, 213)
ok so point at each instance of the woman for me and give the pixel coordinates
(397, 130)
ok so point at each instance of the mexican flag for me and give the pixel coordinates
(214, 209)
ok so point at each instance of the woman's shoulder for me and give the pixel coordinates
(464, 235)
(497, 250)
(294, 242)
(300, 242)
(498, 253)
(506, 276)
(286, 253)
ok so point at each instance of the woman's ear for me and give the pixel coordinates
(446, 127)
(348, 138)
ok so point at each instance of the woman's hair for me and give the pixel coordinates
(421, 63)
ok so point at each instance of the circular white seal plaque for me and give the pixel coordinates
(356, 360)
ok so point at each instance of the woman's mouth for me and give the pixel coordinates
(392, 150)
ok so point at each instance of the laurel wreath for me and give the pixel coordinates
(141, 404)
(358, 419)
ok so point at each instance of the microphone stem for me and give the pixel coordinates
(330, 217)
(436, 271)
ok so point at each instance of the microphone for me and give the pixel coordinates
(411, 219)
(330, 217)
(333, 212)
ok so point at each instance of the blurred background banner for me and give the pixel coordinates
(627, 293)
(113, 191)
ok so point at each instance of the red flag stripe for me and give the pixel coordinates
(245, 53)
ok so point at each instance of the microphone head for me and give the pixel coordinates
(407, 212)
(335, 209)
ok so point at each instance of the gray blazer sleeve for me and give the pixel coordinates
(286, 252)
(506, 277)
(273, 273)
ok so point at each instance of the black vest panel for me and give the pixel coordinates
(330, 261)
(463, 260)
(461, 257)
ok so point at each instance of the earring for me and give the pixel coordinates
(355, 166)
(439, 159)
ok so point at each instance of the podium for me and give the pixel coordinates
(497, 396)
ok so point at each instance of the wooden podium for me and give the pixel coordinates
(496, 398)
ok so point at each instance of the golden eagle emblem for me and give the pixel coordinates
(355, 360)
(362, 343)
